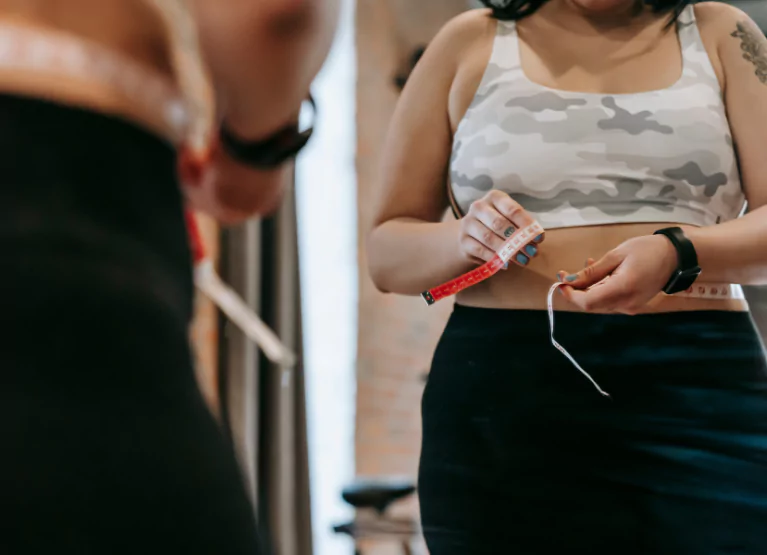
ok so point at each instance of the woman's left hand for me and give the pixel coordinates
(625, 279)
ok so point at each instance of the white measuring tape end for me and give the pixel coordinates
(560, 348)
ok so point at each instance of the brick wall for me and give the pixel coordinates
(397, 335)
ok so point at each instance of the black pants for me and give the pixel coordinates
(107, 445)
(522, 455)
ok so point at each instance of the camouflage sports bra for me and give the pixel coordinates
(574, 159)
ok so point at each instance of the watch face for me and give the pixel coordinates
(682, 280)
(691, 273)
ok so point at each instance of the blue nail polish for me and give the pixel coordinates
(531, 250)
(509, 232)
(559, 278)
(522, 259)
(571, 277)
(506, 266)
(538, 239)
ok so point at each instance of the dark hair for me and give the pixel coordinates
(514, 10)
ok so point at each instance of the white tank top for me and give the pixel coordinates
(575, 159)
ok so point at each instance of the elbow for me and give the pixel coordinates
(290, 16)
(300, 21)
(379, 283)
(379, 279)
(376, 269)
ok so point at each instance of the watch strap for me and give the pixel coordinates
(688, 258)
(271, 152)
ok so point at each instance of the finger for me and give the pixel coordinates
(531, 249)
(524, 256)
(611, 296)
(496, 222)
(476, 251)
(512, 211)
(589, 262)
(483, 234)
(594, 273)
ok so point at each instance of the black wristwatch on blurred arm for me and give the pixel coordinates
(271, 152)
(687, 270)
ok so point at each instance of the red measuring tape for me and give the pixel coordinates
(519, 240)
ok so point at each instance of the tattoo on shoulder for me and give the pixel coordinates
(754, 47)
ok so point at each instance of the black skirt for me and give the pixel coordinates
(522, 455)
(107, 445)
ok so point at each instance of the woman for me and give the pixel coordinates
(605, 121)
(108, 445)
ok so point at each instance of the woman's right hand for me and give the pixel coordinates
(489, 223)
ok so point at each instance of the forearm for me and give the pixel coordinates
(735, 251)
(408, 256)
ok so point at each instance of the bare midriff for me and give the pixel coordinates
(127, 28)
(567, 250)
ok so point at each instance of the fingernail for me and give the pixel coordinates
(506, 266)
(522, 259)
(572, 277)
(531, 250)
(559, 278)
(509, 232)
(538, 239)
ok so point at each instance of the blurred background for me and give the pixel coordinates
(351, 409)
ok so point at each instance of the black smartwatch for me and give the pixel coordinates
(687, 270)
(271, 152)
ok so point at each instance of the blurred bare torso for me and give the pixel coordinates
(129, 28)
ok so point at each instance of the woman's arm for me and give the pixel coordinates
(263, 56)
(736, 251)
(409, 248)
(732, 252)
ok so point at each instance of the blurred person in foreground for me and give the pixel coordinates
(117, 117)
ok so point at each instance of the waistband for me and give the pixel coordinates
(25, 50)
(529, 323)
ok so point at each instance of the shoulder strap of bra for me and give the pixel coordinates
(689, 33)
(687, 27)
(694, 53)
(192, 75)
(506, 46)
